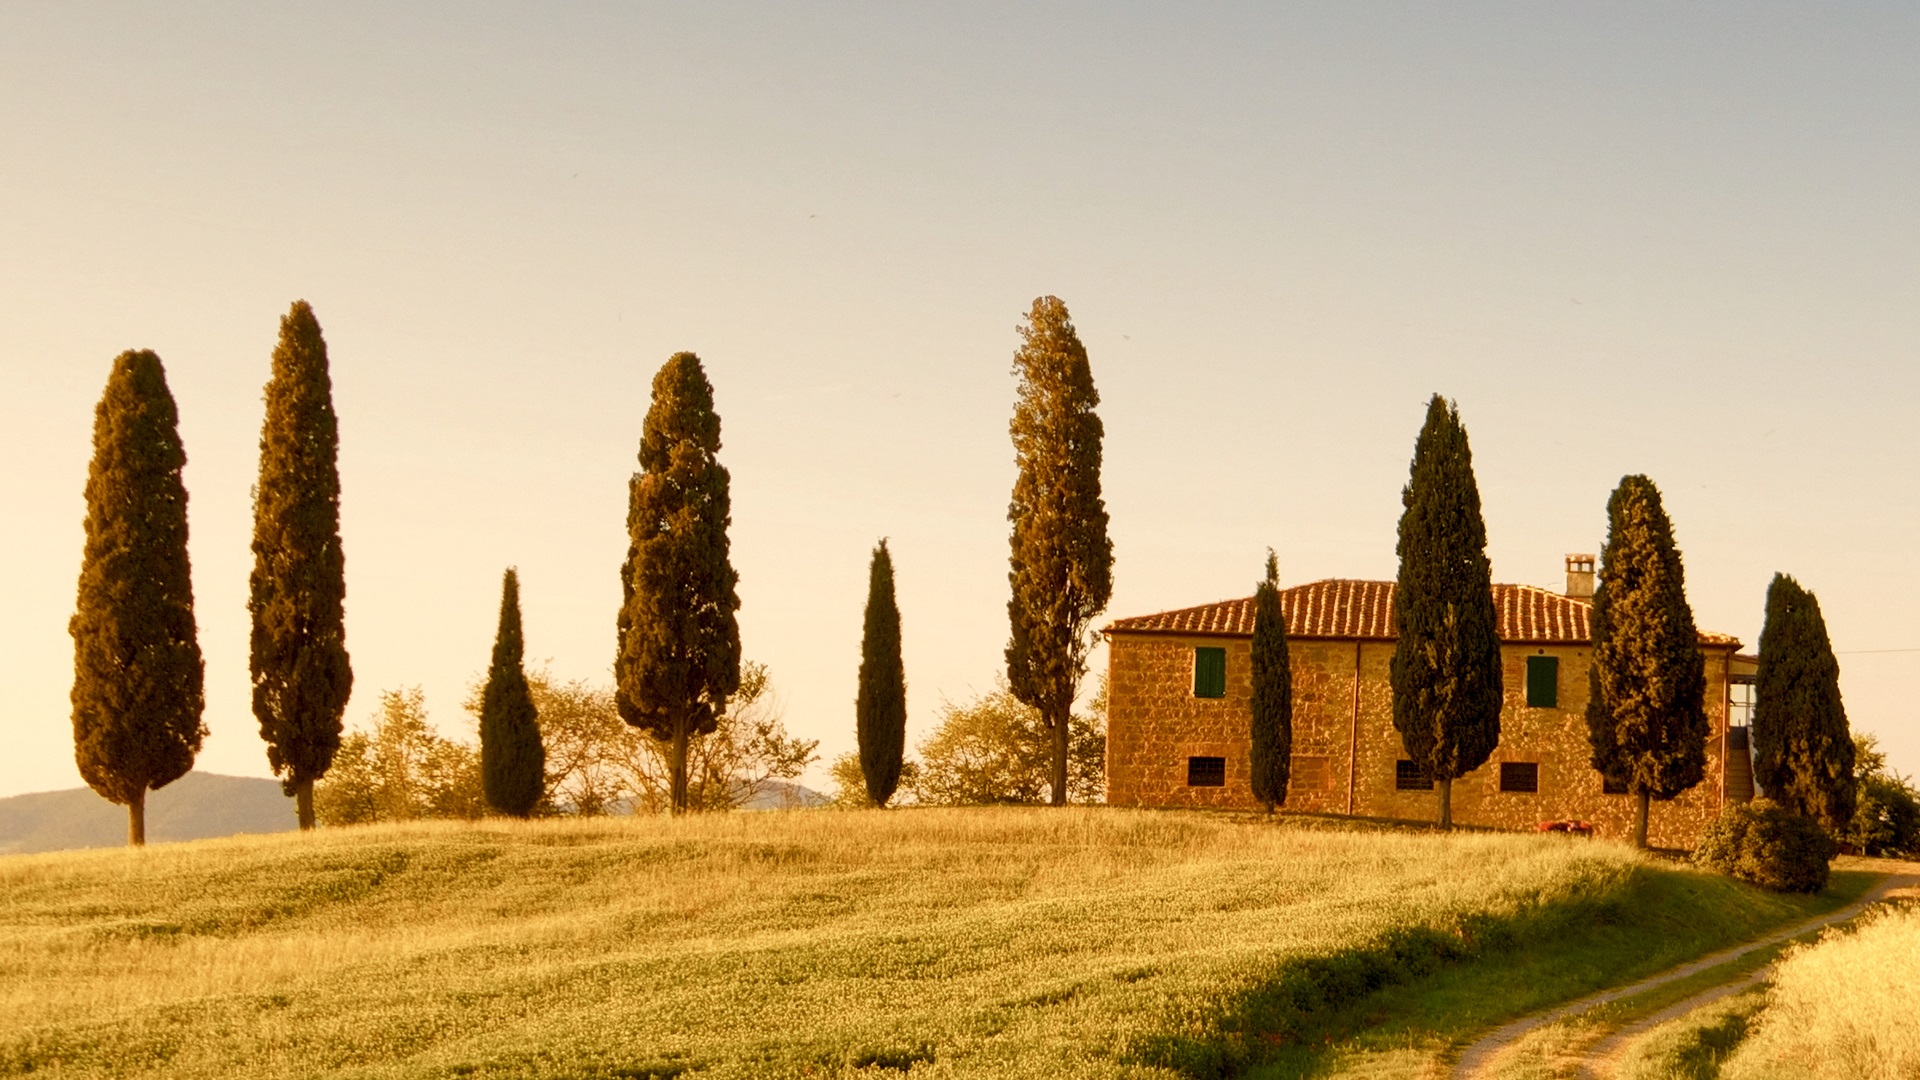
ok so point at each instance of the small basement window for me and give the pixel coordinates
(1408, 777)
(1209, 672)
(1521, 776)
(1206, 772)
(1543, 682)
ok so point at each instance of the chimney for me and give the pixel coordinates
(1580, 577)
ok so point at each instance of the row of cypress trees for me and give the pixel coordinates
(138, 690)
(1646, 716)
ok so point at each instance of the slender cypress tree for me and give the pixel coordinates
(298, 590)
(513, 762)
(137, 672)
(679, 640)
(1062, 560)
(1803, 749)
(1272, 693)
(880, 709)
(1446, 658)
(1646, 706)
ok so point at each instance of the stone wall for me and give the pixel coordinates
(1346, 748)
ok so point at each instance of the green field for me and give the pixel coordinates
(1087, 942)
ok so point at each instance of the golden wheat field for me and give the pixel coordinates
(1086, 942)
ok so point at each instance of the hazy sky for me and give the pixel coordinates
(1683, 241)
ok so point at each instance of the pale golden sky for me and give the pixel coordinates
(1625, 238)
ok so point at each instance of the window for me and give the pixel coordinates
(1209, 672)
(1543, 682)
(1520, 776)
(1408, 777)
(1206, 772)
(1610, 786)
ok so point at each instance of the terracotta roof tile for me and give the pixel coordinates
(1346, 610)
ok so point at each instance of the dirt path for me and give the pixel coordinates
(1474, 1061)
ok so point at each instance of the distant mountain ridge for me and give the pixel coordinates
(197, 806)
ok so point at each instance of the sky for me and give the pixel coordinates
(1625, 238)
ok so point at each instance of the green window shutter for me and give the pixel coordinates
(1210, 673)
(1543, 682)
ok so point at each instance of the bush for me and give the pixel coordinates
(1769, 845)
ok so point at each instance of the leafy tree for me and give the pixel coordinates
(1646, 711)
(1886, 817)
(401, 770)
(880, 709)
(1803, 752)
(997, 750)
(512, 760)
(743, 758)
(137, 672)
(1062, 560)
(1272, 692)
(298, 661)
(587, 746)
(1768, 844)
(679, 641)
(1446, 660)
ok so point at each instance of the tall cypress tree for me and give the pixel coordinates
(679, 639)
(1062, 560)
(1446, 658)
(297, 593)
(137, 672)
(1272, 692)
(880, 708)
(513, 762)
(1803, 749)
(1646, 704)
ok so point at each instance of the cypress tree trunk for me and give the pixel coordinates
(512, 759)
(137, 820)
(678, 655)
(1061, 560)
(137, 672)
(880, 708)
(1646, 702)
(677, 765)
(1446, 673)
(297, 593)
(303, 803)
(1271, 734)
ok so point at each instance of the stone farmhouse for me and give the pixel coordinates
(1178, 714)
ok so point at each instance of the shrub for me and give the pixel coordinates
(1769, 845)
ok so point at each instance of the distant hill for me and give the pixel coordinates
(196, 806)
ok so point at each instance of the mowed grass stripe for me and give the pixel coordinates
(1001, 942)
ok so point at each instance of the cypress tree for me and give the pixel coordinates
(513, 762)
(1646, 704)
(880, 709)
(297, 593)
(1062, 560)
(1803, 749)
(1446, 658)
(679, 640)
(1272, 692)
(137, 672)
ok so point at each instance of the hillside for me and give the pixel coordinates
(1088, 942)
(197, 806)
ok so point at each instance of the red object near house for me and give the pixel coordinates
(1576, 828)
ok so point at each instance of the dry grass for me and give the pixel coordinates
(1842, 1008)
(1082, 942)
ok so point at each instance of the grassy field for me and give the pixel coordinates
(1061, 943)
(1841, 1009)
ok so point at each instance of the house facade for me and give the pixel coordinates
(1178, 714)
